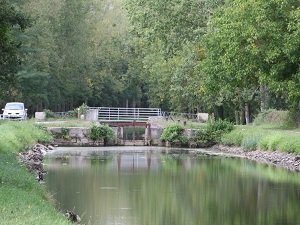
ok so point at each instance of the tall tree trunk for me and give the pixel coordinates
(242, 113)
(247, 113)
(265, 97)
(237, 118)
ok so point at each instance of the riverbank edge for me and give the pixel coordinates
(288, 161)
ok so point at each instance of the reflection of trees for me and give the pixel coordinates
(214, 193)
(185, 191)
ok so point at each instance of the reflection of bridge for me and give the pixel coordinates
(111, 114)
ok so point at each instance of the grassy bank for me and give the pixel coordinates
(22, 199)
(264, 137)
(270, 131)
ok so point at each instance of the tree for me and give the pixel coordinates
(173, 23)
(67, 50)
(169, 33)
(11, 21)
(244, 49)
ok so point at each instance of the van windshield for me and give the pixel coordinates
(14, 106)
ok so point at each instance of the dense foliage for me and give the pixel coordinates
(232, 58)
(12, 23)
(213, 132)
(174, 134)
(103, 132)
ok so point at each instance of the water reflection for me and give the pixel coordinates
(147, 187)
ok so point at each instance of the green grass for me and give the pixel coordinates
(264, 138)
(18, 135)
(22, 199)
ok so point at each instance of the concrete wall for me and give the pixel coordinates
(79, 136)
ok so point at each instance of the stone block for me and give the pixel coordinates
(202, 116)
(92, 115)
(40, 115)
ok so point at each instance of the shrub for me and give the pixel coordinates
(83, 108)
(174, 133)
(49, 114)
(219, 125)
(71, 114)
(101, 132)
(207, 136)
(271, 116)
(213, 131)
(64, 133)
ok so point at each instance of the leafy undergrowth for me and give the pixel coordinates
(22, 199)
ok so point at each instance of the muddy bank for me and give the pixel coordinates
(33, 159)
(288, 161)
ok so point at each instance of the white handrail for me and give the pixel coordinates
(126, 114)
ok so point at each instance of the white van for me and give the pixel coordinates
(15, 110)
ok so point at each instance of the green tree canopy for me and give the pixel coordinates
(252, 43)
(11, 20)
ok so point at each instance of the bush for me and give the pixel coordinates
(101, 132)
(213, 132)
(207, 136)
(49, 114)
(219, 125)
(71, 114)
(83, 108)
(64, 134)
(271, 116)
(174, 134)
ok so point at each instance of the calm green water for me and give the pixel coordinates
(110, 186)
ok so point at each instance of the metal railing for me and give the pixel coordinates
(126, 114)
(177, 115)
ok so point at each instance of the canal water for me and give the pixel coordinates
(160, 186)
